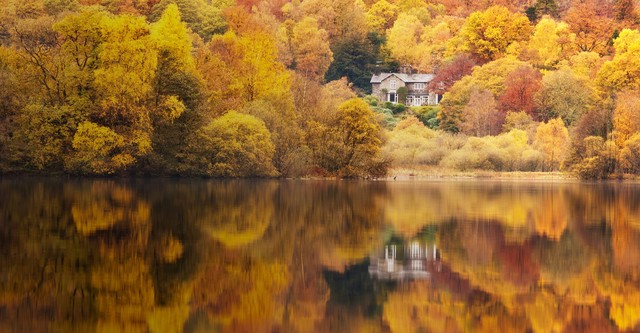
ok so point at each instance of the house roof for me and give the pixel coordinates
(406, 78)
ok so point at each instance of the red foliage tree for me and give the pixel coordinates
(521, 86)
(461, 66)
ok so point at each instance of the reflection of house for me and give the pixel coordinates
(388, 88)
(413, 260)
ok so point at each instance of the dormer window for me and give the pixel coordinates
(393, 84)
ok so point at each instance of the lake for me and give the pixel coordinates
(194, 255)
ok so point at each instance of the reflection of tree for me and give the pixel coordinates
(101, 205)
(503, 269)
(44, 285)
(239, 293)
(253, 256)
(118, 224)
(237, 215)
(273, 241)
(551, 220)
(567, 265)
(77, 264)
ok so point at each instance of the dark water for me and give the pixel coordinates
(318, 256)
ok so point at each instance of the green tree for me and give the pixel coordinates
(178, 90)
(563, 95)
(352, 57)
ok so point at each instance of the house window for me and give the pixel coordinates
(392, 97)
(419, 86)
(410, 100)
(393, 84)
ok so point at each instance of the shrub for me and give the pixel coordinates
(505, 152)
(236, 145)
(428, 115)
(371, 100)
(394, 107)
(385, 117)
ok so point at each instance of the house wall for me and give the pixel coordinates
(377, 89)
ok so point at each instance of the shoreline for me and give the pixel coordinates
(400, 173)
(429, 173)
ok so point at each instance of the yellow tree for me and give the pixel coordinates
(552, 139)
(586, 64)
(124, 82)
(39, 49)
(623, 71)
(381, 16)
(551, 43)
(171, 38)
(53, 68)
(630, 154)
(423, 46)
(404, 37)
(435, 45)
(128, 62)
(626, 117)
(80, 35)
(488, 33)
(98, 150)
(242, 68)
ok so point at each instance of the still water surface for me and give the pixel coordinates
(318, 256)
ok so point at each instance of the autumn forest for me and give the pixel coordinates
(278, 88)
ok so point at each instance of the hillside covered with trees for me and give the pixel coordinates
(247, 88)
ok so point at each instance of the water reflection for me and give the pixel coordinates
(318, 256)
(407, 258)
